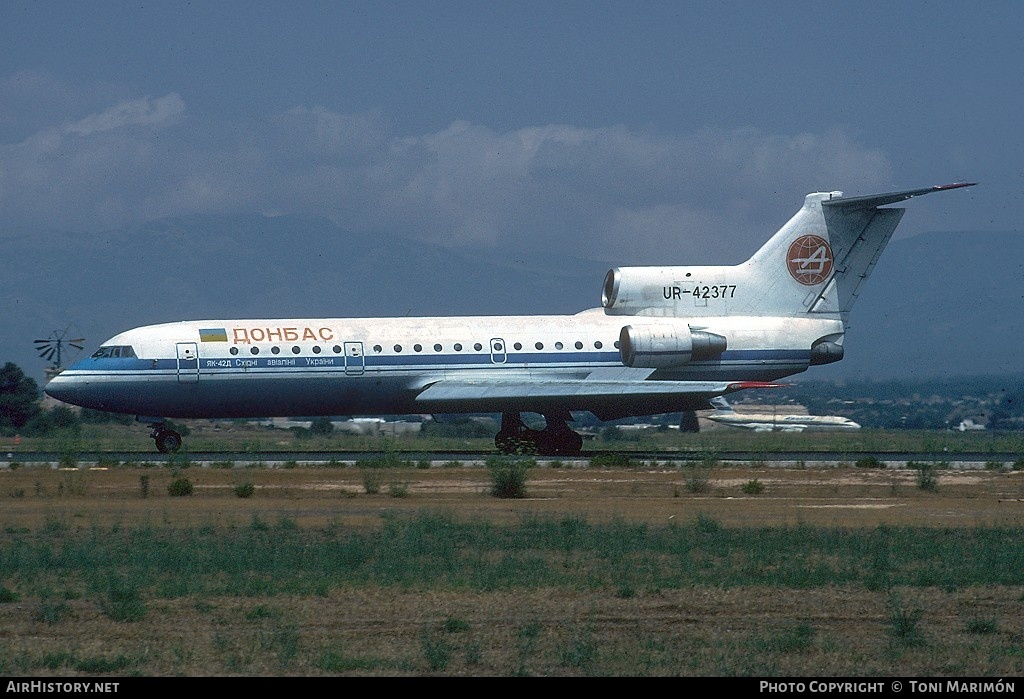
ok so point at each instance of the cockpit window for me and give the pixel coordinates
(112, 351)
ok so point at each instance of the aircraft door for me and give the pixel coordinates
(498, 355)
(355, 363)
(188, 362)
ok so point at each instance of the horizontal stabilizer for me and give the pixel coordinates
(872, 200)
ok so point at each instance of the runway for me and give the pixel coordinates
(594, 459)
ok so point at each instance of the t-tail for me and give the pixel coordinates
(813, 268)
(721, 404)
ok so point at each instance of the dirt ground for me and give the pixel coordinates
(811, 494)
(372, 631)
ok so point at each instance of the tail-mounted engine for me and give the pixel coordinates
(627, 290)
(825, 351)
(667, 345)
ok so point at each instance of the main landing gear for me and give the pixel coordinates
(167, 441)
(556, 439)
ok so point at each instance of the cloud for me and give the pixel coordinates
(616, 191)
(610, 193)
(152, 113)
(321, 133)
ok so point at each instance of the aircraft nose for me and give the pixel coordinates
(62, 388)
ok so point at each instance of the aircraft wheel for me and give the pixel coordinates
(168, 441)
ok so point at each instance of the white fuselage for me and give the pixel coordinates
(319, 366)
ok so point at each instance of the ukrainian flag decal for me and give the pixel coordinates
(213, 335)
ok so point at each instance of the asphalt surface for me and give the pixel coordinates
(305, 458)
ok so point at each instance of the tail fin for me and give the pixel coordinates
(815, 266)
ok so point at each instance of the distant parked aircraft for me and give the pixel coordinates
(667, 339)
(769, 422)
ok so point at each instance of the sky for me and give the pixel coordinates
(632, 132)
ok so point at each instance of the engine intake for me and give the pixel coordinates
(665, 345)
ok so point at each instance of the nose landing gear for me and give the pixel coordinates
(167, 441)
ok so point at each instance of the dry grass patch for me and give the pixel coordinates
(587, 575)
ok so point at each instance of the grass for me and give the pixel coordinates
(455, 625)
(508, 476)
(869, 461)
(430, 551)
(371, 482)
(982, 626)
(52, 612)
(509, 616)
(398, 490)
(927, 478)
(124, 603)
(227, 436)
(462, 583)
(796, 639)
(612, 460)
(436, 650)
(179, 487)
(752, 487)
(697, 479)
(905, 624)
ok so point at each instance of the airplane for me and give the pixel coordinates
(768, 422)
(665, 339)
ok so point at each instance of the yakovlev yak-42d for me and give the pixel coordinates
(667, 339)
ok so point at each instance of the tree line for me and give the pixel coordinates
(22, 411)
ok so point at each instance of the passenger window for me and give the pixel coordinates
(458, 347)
(255, 350)
(376, 348)
(418, 347)
(233, 350)
(539, 345)
(398, 348)
(437, 348)
(598, 344)
(295, 349)
(558, 345)
(579, 345)
(275, 350)
(518, 345)
(477, 346)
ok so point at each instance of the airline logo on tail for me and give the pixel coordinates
(809, 259)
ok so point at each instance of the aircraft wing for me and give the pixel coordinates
(607, 399)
